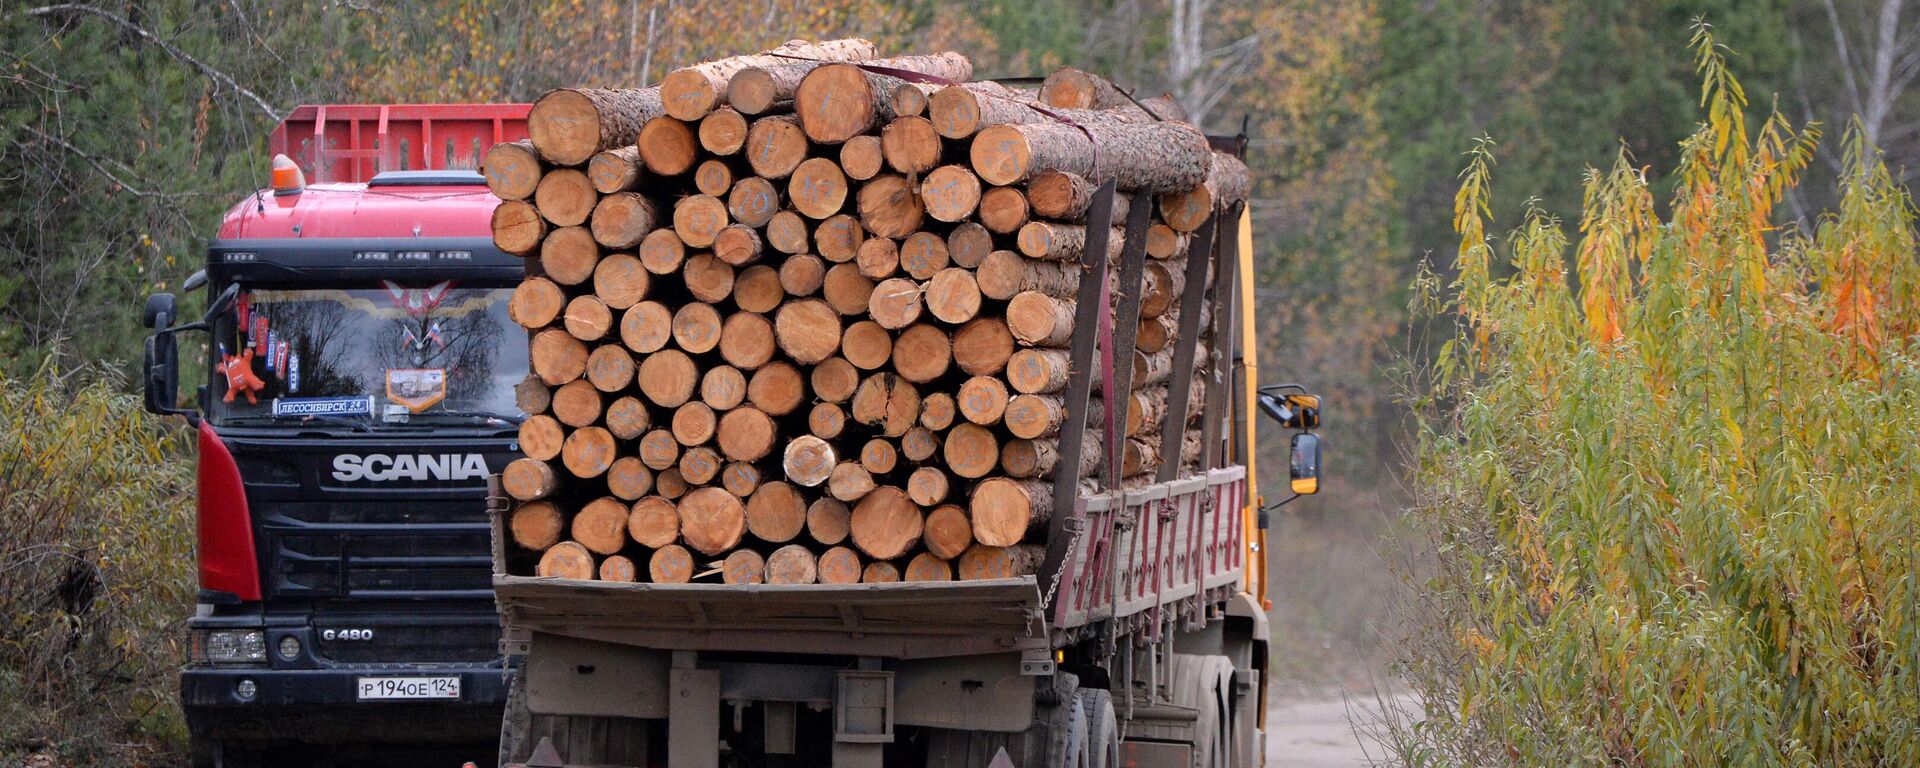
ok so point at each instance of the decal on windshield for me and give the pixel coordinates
(323, 406)
(417, 301)
(417, 388)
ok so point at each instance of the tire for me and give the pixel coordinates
(1102, 748)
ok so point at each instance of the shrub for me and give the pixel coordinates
(1673, 509)
(96, 572)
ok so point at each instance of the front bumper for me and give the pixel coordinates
(320, 705)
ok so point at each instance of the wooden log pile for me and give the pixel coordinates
(795, 319)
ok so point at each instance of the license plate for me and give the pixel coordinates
(377, 688)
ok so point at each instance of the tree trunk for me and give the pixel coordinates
(568, 255)
(667, 378)
(536, 301)
(540, 437)
(886, 402)
(1148, 156)
(528, 479)
(577, 403)
(837, 102)
(557, 357)
(627, 418)
(708, 278)
(1039, 458)
(757, 289)
(1003, 509)
(879, 456)
(894, 303)
(670, 564)
(927, 486)
(737, 244)
(610, 368)
(723, 132)
(923, 254)
(777, 388)
(1053, 241)
(753, 201)
(532, 395)
(689, 93)
(922, 353)
(1005, 274)
(646, 327)
(740, 479)
(834, 380)
(807, 330)
(743, 566)
(713, 177)
(953, 295)
(862, 157)
(659, 451)
(1038, 371)
(983, 400)
(1227, 182)
(1004, 210)
(937, 411)
(919, 443)
(617, 568)
(877, 258)
(968, 244)
(910, 145)
(838, 238)
(1063, 196)
(621, 281)
(960, 111)
(698, 219)
(828, 520)
(569, 125)
(775, 146)
(826, 421)
(746, 340)
(801, 274)
(867, 345)
(1039, 320)
(885, 524)
(948, 532)
(629, 479)
(588, 318)
(880, 572)
(850, 482)
(818, 188)
(889, 207)
(662, 252)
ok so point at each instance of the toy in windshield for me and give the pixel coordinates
(240, 377)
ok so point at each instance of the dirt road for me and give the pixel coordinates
(1314, 729)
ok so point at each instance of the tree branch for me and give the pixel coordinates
(172, 50)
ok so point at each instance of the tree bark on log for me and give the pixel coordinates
(1068, 197)
(836, 102)
(1227, 182)
(989, 562)
(569, 125)
(689, 93)
(1150, 157)
(1038, 371)
(1003, 509)
(1039, 320)
(960, 111)
(1053, 241)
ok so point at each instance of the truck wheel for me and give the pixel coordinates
(1102, 748)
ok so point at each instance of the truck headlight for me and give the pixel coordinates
(229, 646)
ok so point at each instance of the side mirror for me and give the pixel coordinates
(1294, 410)
(1304, 469)
(162, 373)
(221, 304)
(159, 312)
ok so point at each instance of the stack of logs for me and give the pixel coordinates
(799, 320)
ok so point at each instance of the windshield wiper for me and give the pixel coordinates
(296, 421)
(472, 415)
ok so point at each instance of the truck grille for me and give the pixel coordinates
(420, 644)
(327, 550)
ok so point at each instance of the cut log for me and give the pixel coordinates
(801, 275)
(1038, 371)
(601, 526)
(670, 564)
(689, 93)
(838, 238)
(627, 418)
(540, 437)
(1002, 209)
(910, 99)
(948, 531)
(987, 562)
(621, 281)
(808, 330)
(662, 253)
(658, 450)
(588, 318)
(808, 460)
(667, 378)
(792, 564)
(1003, 510)
(1147, 156)
(746, 434)
(960, 111)
(629, 479)
(982, 400)
(1038, 320)
(850, 481)
(723, 132)
(1163, 242)
(971, 451)
(615, 170)
(696, 327)
(1038, 458)
(577, 403)
(880, 572)
(926, 567)
(919, 443)
(923, 255)
(618, 568)
(1156, 368)
(839, 565)
(845, 288)
(827, 520)
(668, 146)
(1070, 88)
(532, 395)
(699, 465)
(713, 177)
(1227, 182)
(982, 346)
(566, 560)
(568, 255)
(818, 188)
(757, 289)
(927, 486)
(886, 402)
(879, 456)
(776, 512)
(737, 244)
(1160, 288)
(776, 388)
(885, 524)
(610, 368)
(968, 244)
(922, 353)
(588, 452)
(753, 201)
(528, 479)
(513, 169)
(557, 357)
(787, 233)
(862, 157)
(951, 193)
(826, 420)
(937, 411)
(693, 424)
(1053, 241)
(878, 258)
(895, 301)
(743, 566)
(569, 125)
(517, 227)
(536, 301)
(775, 146)
(746, 340)
(953, 295)
(669, 484)
(1004, 274)
(1035, 416)
(740, 479)
(536, 525)
(910, 145)
(1063, 196)
(867, 345)
(836, 102)
(698, 219)
(646, 327)
(834, 380)
(565, 197)
(711, 520)
(708, 278)
(890, 206)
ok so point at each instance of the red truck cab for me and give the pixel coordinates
(361, 366)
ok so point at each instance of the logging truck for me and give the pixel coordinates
(878, 418)
(360, 367)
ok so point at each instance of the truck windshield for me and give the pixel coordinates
(385, 355)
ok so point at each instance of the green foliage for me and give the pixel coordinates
(1673, 514)
(96, 571)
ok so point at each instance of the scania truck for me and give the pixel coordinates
(360, 367)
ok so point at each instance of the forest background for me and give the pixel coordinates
(126, 128)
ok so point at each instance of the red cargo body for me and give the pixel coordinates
(352, 142)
